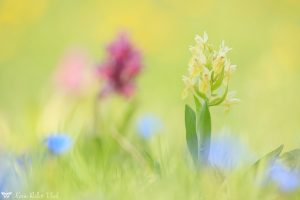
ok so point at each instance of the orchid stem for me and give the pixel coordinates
(96, 115)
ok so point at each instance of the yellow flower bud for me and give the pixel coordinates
(218, 65)
(195, 67)
(204, 84)
(189, 85)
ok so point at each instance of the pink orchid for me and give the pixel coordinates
(72, 72)
(120, 68)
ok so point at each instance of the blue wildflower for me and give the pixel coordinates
(228, 153)
(10, 178)
(59, 143)
(148, 126)
(286, 179)
(24, 160)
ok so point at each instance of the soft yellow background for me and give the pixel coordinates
(264, 35)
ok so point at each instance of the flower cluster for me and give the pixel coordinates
(209, 73)
(122, 65)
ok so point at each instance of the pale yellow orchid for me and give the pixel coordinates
(209, 73)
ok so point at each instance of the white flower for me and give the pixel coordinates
(189, 85)
(230, 100)
(223, 49)
(198, 53)
(229, 70)
(201, 40)
(195, 67)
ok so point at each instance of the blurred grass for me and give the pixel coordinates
(264, 35)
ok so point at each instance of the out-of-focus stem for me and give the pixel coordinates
(128, 147)
(96, 115)
(128, 116)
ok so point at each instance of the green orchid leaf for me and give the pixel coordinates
(203, 126)
(271, 156)
(197, 103)
(268, 158)
(191, 135)
(292, 158)
(258, 170)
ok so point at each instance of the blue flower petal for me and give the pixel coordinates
(228, 153)
(59, 143)
(148, 126)
(10, 179)
(286, 179)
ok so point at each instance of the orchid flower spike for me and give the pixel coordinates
(209, 73)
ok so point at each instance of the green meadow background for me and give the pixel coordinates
(265, 41)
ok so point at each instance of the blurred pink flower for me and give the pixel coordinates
(72, 72)
(120, 68)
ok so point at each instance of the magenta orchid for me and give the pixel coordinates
(120, 68)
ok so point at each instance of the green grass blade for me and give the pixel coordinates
(292, 159)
